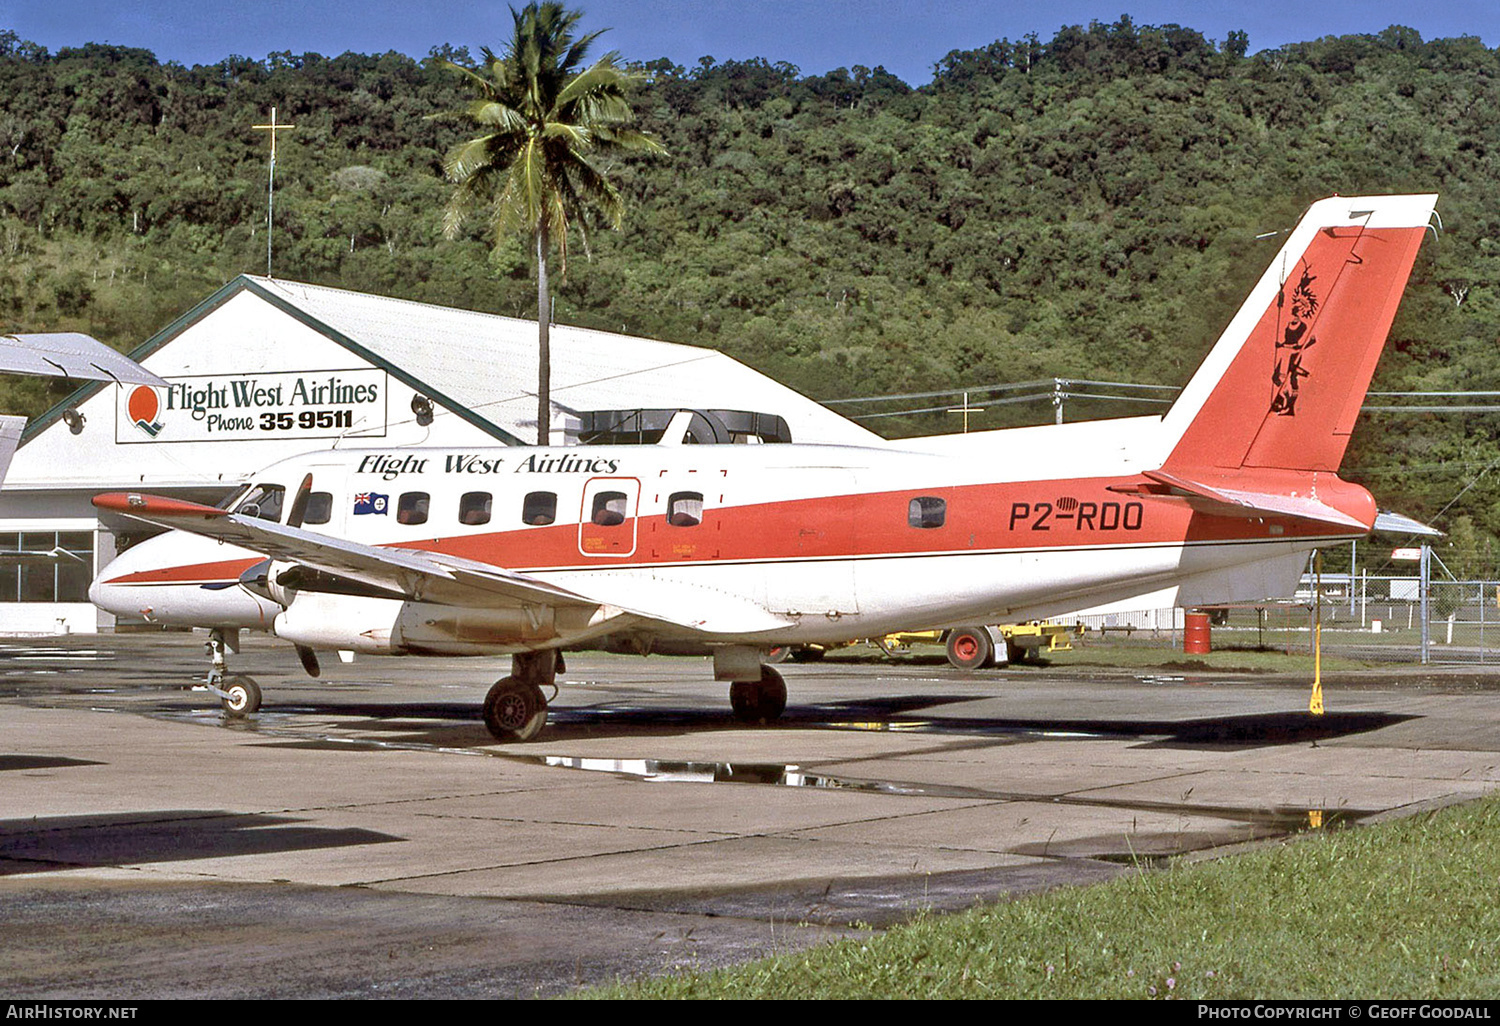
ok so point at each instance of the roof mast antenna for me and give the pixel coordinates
(273, 128)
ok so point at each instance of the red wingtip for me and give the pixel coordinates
(139, 504)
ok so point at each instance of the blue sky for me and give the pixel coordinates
(906, 36)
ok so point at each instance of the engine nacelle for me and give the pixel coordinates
(265, 579)
(391, 626)
(326, 622)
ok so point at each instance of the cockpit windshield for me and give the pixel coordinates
(263, 501)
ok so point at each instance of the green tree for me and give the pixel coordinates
(542, 120)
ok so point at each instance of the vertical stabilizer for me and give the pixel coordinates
(1282, 387)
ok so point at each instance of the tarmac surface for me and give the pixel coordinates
(364, 836)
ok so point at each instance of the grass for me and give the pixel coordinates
(1244, 659)
(1401, 910)
(1138, 656)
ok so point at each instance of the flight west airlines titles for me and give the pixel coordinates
(391, 466)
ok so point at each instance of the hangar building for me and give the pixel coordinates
(265, 369)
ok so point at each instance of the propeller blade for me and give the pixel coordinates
(299, 506)
(309, 660)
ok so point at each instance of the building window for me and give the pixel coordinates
(474, 508)
(539, 509)
(926, 511)
(319, 508)
(412, 508)
(64, 577)
(685, 509)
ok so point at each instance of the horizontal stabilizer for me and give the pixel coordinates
(1396, 523)
(1241, 501)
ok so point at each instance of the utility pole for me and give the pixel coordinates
(273, 128)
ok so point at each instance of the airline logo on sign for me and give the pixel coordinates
(246, 407)
(142, 407)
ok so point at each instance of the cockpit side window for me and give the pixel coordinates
(319, 508)
(263, 501)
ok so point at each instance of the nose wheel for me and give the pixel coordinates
(241, 696)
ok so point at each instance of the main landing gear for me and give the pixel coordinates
(757, 692)
(240, 695)
(515, 709)
(759, 701)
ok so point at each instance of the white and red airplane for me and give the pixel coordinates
(529, 552)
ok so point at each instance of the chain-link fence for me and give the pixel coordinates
(1371, 618)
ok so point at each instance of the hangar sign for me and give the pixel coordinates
(247, 407)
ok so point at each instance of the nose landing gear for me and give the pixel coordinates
(240, 695)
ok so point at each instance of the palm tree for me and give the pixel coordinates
(542, 119)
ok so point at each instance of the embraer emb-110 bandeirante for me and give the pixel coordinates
(529, 552)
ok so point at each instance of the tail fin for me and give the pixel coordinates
(1282, 387)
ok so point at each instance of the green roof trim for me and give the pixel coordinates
(244, 283)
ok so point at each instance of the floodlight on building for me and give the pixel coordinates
(422, 407)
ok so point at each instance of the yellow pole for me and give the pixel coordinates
(1315, 706)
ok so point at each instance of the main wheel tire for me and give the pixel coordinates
(970, 648)
(779, 653)
(515, 710)
(244, 696)
(759, 701)
(808, 655)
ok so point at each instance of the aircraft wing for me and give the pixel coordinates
(1217, 499)
(10, 437)
(421, 575)
(70, 354)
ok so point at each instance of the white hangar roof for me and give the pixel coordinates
(257, 339)
(488, 363)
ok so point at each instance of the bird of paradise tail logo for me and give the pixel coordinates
(1294, 341)
(142, 407)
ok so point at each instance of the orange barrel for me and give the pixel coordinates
(1195, 634)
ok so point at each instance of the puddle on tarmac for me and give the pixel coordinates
(670, 771)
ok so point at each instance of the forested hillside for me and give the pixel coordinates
(1087, 206)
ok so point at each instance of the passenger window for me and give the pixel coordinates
(685, 509)
(539, 509)
(609, 509)
(412, 509)
(264, 502)
(474, 508)
(319, 508)
(926, 511)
